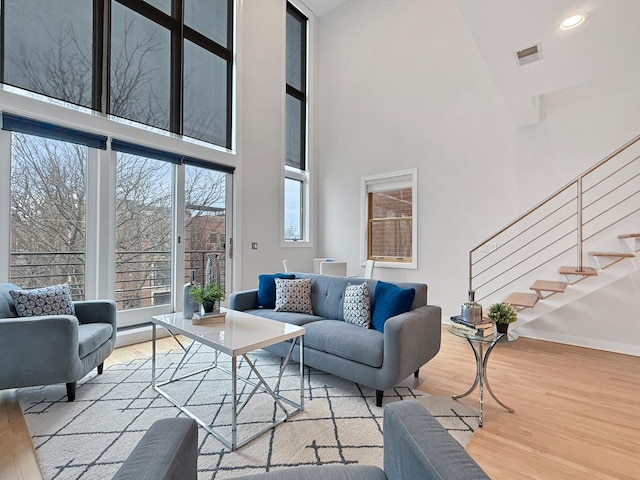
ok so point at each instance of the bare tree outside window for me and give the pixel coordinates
(48, 208)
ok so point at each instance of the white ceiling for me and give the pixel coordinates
(604, 49)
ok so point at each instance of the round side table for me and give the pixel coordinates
(478, 345)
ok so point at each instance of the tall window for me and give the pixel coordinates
(169, 62)
(390, 208)
(205, 223)
(48, 207)
(143, 231)
(296, 169)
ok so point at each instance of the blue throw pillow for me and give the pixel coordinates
(267, 288)
(390, 300)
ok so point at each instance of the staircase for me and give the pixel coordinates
(574, 235)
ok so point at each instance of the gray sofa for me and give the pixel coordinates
(43, 350)
(365, 356)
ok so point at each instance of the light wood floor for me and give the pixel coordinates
(577, 411)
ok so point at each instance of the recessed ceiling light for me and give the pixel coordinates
(573, 21)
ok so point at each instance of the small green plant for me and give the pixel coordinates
(502, 313)
(208, 293)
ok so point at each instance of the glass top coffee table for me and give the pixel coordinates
(478, 345)
(240, 334)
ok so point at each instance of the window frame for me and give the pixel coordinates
(291, 172)
(389, 181)
(179, 34)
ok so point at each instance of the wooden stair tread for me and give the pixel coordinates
(549, 286)
(586, 271)
(519, 299)
(612, 254)
(630, 235)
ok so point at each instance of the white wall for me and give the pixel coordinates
(401, 84)
(262, 46)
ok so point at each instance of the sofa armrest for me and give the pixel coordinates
(244, 300)
(167, 451)
(28, 345)
(411, 339)
(417, 446)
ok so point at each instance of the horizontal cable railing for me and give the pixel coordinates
(135, 286)
(559, 227)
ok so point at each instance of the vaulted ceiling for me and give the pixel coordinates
(603, 51)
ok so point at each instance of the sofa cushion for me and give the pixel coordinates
(346, 340)
(357, 305)
(267, 288)
(292, 318)
(91, 336)
(53, 300)
(390, 300)
(293, 295)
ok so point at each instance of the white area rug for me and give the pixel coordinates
(91, 437)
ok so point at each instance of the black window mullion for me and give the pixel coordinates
(2, 33)
(151, 12)
(206, 43)
(177, 68)
(98, 58)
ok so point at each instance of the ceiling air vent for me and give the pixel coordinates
(528, 55)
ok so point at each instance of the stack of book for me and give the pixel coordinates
(482, 329)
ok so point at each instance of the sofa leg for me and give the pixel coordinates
(379, 394)
(101, 366)
(416, 373)
(71, 391)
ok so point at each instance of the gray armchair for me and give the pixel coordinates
(44, 350)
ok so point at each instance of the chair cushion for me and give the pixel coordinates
(91, 336)
(293, 295)
(53, 300)
(390, 300)
(267, 288)
(346, 340)
(357, 305)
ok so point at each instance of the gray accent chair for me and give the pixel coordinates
(45, 350)
(167, 451)
(416, 447)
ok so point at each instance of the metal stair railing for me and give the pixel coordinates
(577, 213)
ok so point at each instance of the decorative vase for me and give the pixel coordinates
(189, 307)
(502, 327)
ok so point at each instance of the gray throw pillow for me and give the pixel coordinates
(357, 305)
(293, 295)
(54, 300)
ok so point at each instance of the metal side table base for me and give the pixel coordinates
(481, 379)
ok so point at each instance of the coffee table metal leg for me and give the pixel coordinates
(234, 397)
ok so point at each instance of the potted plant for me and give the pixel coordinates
(502, 314)
(209, 296)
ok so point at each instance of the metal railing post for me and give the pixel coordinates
(579, 222)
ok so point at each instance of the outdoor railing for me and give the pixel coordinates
(143, 278)
(563, 223)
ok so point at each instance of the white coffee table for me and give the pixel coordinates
(240, 334)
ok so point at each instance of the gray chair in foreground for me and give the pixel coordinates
(48, 349)
(167, 451)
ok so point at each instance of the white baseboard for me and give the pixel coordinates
(138, 335)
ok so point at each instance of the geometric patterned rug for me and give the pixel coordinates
(91, 437)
